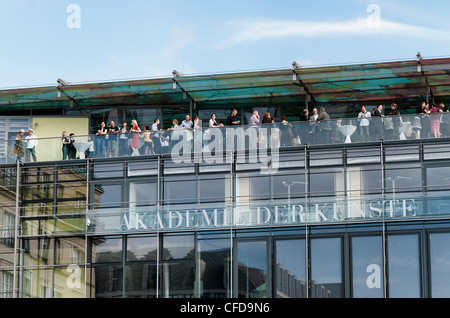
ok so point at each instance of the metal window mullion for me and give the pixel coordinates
(86, 227)
(16, 227)
(158, 201)
(383, 239)
(307, 250)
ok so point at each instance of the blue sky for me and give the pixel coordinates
(120, 40)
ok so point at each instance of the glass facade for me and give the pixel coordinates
(304, 209)
(324, 225)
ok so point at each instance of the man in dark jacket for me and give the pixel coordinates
(325, 126)
(303, 127)
(377, 123)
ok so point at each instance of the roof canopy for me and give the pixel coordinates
(372, 82)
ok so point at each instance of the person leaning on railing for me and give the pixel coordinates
(325, 127)
(123, 139)
(65, 145)
(445, 120)
(18, 145)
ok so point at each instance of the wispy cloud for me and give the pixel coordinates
(254, 31)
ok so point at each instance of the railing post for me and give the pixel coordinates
(16, 226)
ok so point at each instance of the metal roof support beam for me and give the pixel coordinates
(296, 78)
(186, 95)
(428, 87)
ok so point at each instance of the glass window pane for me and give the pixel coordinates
(70, 250)
(326, 268)
(142, 248)
(326, 182)
(367, 267)
(403, 180)
(108, 281)
(38, 283)
(142, 194)
(289, 185)
(214, 262)
(178, 279)
(439, 260)
(178, 247)
(144, 116)
(252, 187)
(403, 266)
(107, 195)
(109, 170)
(39, 251)
(107, 249)
(69, 282)
(290, 269)
(252, 269)
(180, 191)
(140, 281)
(213, 188)
(438, 178)
(364, 180)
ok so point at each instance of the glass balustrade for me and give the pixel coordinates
(206, 141)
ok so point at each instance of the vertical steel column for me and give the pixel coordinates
(232, 204)
(88, 171)
(16, 226)
(158, 196)
(383, 189)
(307, 167)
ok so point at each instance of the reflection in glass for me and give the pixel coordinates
(252, 269)
(326, 182)
(439, 259)
(403, 266)
(289, 186)
(108, 281)
(178, 279)
(438, 183)
(290, 269)
(213, 267)
(108, 170)
(179, 191)
(107, 195)
(178, 247)
(142, 194)
(252, 187)
(213, 188)
(69, 282)
(403, 180)
(39, 251)
(363, 180)
(326, 268)
(367, 267)
(70, 250)
(107, 249)
(140, 248)
(140, 280)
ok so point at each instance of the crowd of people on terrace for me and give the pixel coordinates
(315, 128)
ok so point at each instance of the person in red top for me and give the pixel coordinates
(435, 118)
(135, 141)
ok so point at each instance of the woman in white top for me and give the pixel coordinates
(212, 122)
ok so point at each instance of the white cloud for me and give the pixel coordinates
(251, 31)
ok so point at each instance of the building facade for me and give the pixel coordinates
(327, 218)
